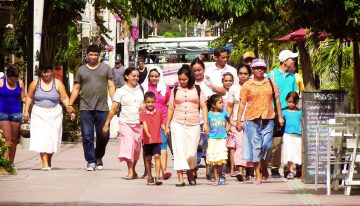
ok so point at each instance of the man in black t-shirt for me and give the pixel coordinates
(143, 71)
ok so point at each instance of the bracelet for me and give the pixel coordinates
(69, 105)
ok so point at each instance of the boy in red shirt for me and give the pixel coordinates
(151, 120)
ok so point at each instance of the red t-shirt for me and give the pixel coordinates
(153, 122)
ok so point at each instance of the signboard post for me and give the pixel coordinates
(318, 107)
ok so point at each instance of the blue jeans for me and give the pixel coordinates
(259, 133)
(88, 120)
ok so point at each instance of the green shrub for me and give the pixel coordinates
(5, 164)
(71, 129)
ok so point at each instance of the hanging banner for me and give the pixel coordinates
(37, 28)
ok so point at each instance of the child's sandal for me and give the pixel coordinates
(157, 181)
(151, 181)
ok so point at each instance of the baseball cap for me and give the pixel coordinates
(287, 54)
(117, 61)
(258, 63)
(249, 54)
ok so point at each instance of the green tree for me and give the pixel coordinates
(177, 27)
(58, 16)
(252, 23)
(339, 18)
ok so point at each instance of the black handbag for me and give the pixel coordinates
(278, 130)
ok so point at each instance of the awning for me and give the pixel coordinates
(299, 35)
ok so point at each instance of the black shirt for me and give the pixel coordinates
(142, 76)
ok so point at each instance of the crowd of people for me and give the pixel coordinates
(221, 114)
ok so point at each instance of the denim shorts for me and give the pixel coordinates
(163, 139)
(14, 117)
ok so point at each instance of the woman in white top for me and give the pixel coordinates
(236, 142)
(129, 98)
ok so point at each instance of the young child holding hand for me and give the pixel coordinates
(216, 152)
(291, 148)
(151, 137)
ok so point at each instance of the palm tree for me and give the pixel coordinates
(332, 60)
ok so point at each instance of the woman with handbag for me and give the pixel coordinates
(257, 95)
(46, 92)
(11, 95)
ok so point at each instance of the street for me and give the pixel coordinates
(69, 184)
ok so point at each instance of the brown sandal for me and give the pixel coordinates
(151, 181)
(157, 181)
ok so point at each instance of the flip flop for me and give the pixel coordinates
(167, 175)
(129, 178)
(232, 175)
(257, 182)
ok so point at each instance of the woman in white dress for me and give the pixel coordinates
(46, 92)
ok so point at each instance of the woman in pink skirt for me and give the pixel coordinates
(129, 100)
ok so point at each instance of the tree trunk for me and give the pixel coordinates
(356, 75)
(309, 80)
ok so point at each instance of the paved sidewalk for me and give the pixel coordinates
(69, 184)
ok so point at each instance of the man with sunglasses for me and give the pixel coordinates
(248, 57)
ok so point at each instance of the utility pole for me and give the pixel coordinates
(30, 45)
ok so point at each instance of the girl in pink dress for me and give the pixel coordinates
(235, 140)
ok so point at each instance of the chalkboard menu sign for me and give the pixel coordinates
(318, 107)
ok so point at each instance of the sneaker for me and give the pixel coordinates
(216, 183)
(99, 164)
(222, 181)
(90, 167)
(290, 176)
(275, 173)
(46, 168)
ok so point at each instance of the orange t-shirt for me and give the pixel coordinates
(258, 98)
